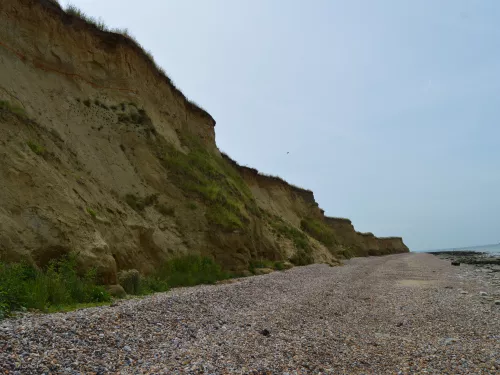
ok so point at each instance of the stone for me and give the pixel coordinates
(497, 302)
(483, 293)
(127, 348)
(449, 340)
(130, 280)
(455, 263)
(116, 291)
(265, 332)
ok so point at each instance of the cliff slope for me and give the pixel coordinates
(102, 155)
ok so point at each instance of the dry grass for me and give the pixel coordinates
(99, 23)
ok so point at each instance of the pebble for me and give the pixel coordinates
(357, 319)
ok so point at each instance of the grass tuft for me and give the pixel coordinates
(77, 12)
(12, 108)
(36, 148)
(91, 212)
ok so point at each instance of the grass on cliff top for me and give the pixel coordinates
(99, 23)
(213, 180)
(54, 288)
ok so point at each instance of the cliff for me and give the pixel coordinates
(103, 155)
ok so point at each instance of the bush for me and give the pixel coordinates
(279, 266)
(302, 258)
(190, 270)
(59, 285)
(152, 284)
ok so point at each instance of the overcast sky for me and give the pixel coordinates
(389, 109)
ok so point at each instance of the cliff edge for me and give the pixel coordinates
(103, 155)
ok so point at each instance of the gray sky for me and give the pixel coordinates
(389, 109)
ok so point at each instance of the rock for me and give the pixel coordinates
(455, 263)
(483, 293)
(464, 292)
(130, 280)
(497, 302)
(449, 341)
(116, 291)
(127, 348)
(265, 332)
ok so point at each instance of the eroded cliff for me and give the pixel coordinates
(102, 155)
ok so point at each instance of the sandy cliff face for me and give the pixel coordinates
(102, 155)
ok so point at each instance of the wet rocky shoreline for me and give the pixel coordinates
(476, 258)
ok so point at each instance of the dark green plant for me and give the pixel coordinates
(36, 148)
(279, 266)
(14, 109)
(191, 205)
(152, 284)
(91, 212)
(190, 270)
(58, 285)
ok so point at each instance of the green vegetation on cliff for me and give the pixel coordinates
(213, 180)
(319, 230)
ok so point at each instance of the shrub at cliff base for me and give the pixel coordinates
(56, 287)
(191, 270)
(187, 270)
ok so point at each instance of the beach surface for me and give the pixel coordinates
(398, 314)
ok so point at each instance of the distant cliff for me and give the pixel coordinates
(102, 155)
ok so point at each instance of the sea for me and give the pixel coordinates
(491, 249)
